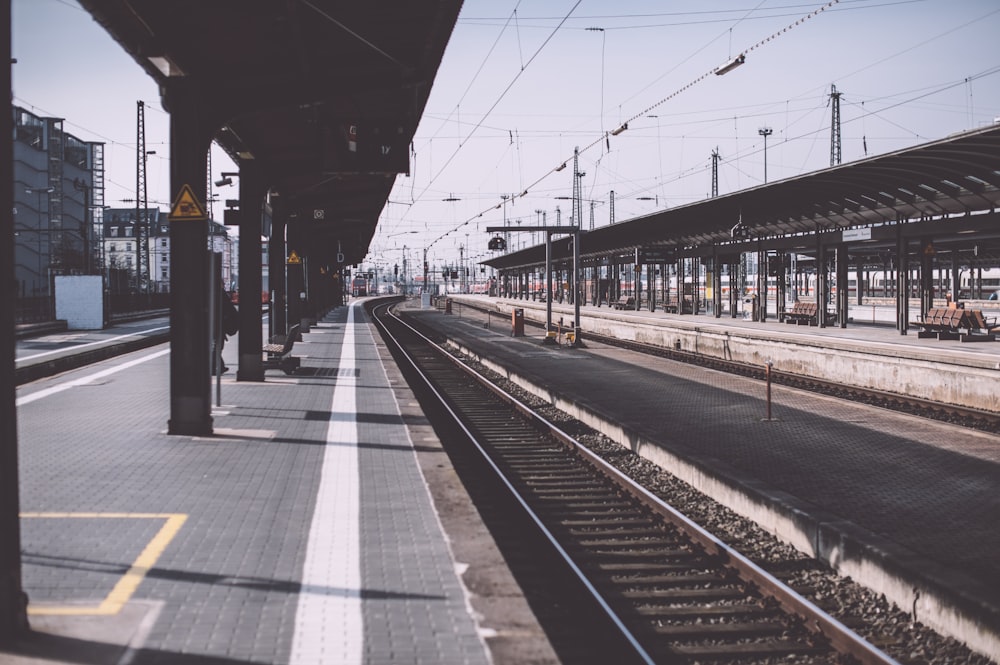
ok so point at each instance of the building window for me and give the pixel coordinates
(163, 242)
(128, 247)
(163, 258)
(163, 272)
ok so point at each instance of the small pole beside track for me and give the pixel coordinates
(767, 373)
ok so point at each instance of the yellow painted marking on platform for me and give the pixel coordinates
(129, 582)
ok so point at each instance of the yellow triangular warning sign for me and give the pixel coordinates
(186, 206)
(294, 258)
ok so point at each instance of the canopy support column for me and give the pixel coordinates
(190, 356)
(252, 195)
(843, 297)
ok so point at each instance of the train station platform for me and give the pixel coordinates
(321, 523)
(870, 355)
(907, 506)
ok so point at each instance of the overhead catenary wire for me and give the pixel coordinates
(500, 98)
(624, 125)
(804, 117)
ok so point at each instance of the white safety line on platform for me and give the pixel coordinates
(90, 378)
(83, 346)
(328, 620)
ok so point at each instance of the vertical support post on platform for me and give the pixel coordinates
(252, 195)
(782, 286)
(768, 375)
(843, 294)
(577, 295)
(860, 288)
(822, 284)
(276, 249)
(761, 314)
(651, 286)
(637, 276)
(190, 364)
(295, 274)
(548, 284)
(13, 601)
(926, 275)
(735, 286)
(716, 283)
(902, 284)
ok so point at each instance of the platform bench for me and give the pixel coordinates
(942, 323)
(279, 351)
(625, 302)
(980, 327)
(670, 307)
(802, 312)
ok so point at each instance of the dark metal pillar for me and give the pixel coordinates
(716, 284)
(860, 283)
(926, 276)
(548, 284)
(651, 286)
(696, 304)
(822, 284)
(637, 277)
(956, 279)
(276, 269)
(577, 293)
(190, 356)
(902, 285)
(761, 314)
(782, 286)
(679, 270)
(13, 602)
(735, 286)
(843, 295)
(252, 195)
(294, 273)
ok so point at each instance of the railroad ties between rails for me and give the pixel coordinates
(671, 591)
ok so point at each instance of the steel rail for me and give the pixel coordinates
(553, 541)
(840, 638)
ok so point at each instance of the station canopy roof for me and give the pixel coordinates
(324, 96)
(951, 187)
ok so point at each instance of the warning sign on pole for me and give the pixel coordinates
(293, 258)
(186, 207)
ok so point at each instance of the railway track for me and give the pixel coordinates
(669, 590)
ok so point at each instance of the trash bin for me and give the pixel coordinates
(447, 305)
(517, 323)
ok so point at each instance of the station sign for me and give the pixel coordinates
(855, 235)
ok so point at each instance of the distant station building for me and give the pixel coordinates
(122, 252)
(58, 204)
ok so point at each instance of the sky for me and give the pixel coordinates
(523, 83)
